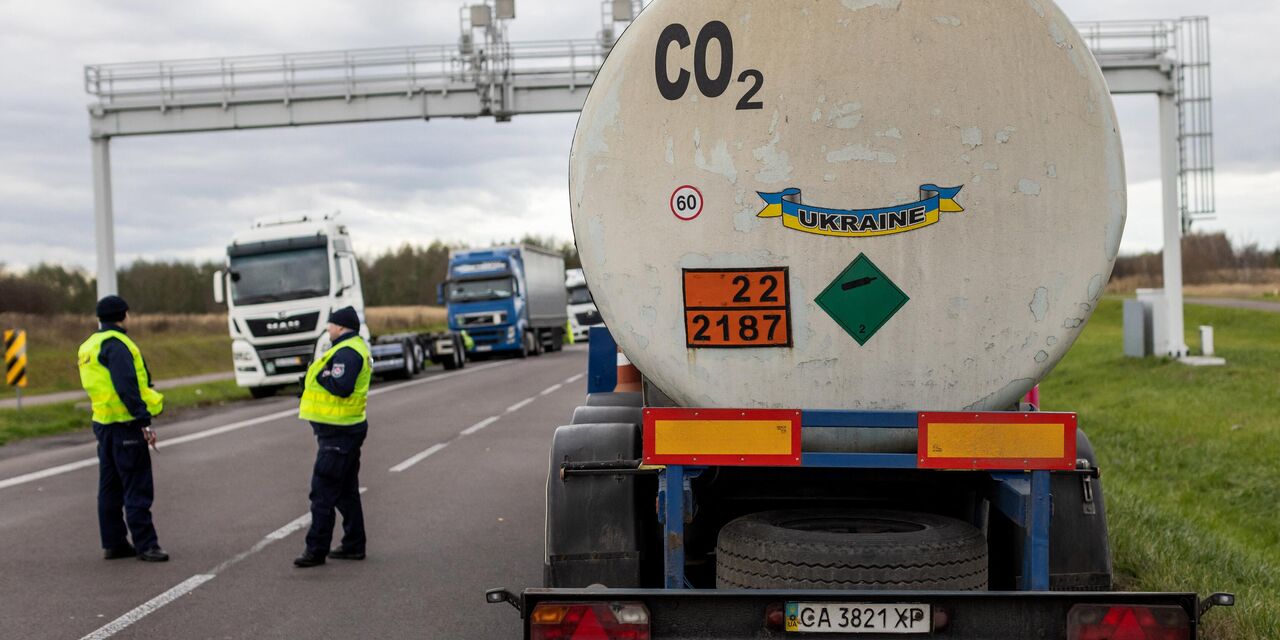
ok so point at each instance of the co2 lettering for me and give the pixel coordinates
(709, 85)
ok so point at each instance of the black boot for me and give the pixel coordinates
(308, 559)
(126, 551)
(154, 554)
(343, 554)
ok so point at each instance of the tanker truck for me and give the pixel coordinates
(840, 241)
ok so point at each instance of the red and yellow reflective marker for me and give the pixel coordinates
(983, 440)
(722, 437)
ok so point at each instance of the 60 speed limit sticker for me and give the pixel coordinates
(686, 202)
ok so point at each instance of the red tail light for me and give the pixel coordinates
(1127, 622)
(589, 621)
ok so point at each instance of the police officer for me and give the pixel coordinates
(116, 378)
(335, 392)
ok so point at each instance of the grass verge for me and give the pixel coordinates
(1188, 457)
(66, 417)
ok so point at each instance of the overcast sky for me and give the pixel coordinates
(183, 196)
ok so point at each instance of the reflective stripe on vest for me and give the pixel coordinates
(108, 408)
(318, 405)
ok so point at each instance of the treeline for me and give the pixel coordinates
(408, 275)
(1207, 258)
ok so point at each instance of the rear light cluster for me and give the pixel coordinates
(589, 621)
(1127, 622)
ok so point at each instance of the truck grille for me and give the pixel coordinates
(267, 327)
(481, 319)
(302, 351)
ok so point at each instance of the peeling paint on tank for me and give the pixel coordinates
(891, 132)
(1041, 356)
(1051, 340)
(990, 166)
(1040, 303)
(858, 5)
(830, 177)
(971, 137)
(1037, 7)
(1051, 170)
(860, 153)
(950, 21)
(846, 116)
(671, 151)
(721, 161)
(817, 115)
(1095, 287)
(1004, 135)
(595, 229)
(1028, 187)
(1072, 323)
(776, 165)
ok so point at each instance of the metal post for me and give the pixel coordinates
(104, 224)
(671, 490)
(1035, 551)
(1172, 344)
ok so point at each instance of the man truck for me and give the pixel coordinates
(582, 310)
(507, 299)
(840, 242)
(283, 278)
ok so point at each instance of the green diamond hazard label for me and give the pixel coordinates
(861, 299)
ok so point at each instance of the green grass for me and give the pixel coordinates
(174, 346)
(1189, 460)
(66, 417)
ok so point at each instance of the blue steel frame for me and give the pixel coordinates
(1022, 496)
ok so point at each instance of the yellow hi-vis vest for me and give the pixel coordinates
(108, 408)
(318, 405)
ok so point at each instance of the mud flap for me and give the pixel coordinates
(593, 530)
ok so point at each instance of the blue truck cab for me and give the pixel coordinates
(507, 299)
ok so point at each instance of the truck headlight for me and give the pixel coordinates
(511, 334)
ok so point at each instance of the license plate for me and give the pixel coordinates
(289, 362)
(856, 617)
(484, 347)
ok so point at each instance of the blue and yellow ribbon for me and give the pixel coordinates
(857, 223)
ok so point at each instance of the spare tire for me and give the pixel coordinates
(850, 549)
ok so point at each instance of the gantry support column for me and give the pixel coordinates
(1170, 341)
(104, 223)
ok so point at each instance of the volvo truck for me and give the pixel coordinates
(283, 278)
(507, 299)
(583, 313)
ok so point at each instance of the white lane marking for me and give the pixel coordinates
(45, 473)
(519, 405)
(551, 389)
(183, 588)
(418, 458)
(235, 426)
(574, 378)
(479, 425)
(190, 584)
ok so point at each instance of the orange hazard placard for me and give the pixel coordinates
(726, 308)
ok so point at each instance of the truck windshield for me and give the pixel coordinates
(279, 276)
(579, 295)
(489, 289)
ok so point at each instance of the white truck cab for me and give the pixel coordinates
(283, 278)
(583, 313)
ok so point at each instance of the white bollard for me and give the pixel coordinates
(1206, 340)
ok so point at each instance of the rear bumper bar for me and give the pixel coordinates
(712, 614)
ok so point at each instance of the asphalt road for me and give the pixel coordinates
(231, 508)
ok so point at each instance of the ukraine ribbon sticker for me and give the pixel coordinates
(857, 223)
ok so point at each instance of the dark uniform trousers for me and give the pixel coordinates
(124, 483)
(335, 485)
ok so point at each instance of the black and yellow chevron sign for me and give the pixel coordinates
(15, 358)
